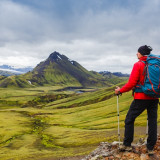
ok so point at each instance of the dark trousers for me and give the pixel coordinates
(136, 108)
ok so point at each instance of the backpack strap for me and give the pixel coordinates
(138, 87)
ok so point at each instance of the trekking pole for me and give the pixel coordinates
(118, 119)
(146, 132)
(147, 127)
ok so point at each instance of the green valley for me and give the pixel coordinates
(48, 122)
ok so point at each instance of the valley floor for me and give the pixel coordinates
(46, 124)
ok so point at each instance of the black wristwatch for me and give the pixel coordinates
(119, 93)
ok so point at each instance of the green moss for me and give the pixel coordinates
(48, 141)
(40, 101)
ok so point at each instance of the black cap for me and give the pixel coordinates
(145, 50)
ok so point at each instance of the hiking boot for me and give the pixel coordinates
(150, 152)
(125, 148)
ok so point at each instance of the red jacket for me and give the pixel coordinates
(135, 78)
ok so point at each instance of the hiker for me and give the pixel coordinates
(139, 104)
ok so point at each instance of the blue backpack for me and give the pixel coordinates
(151, 85)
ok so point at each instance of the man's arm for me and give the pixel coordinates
(132, 82)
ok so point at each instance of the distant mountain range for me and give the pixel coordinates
(7, 73)
(10, 70)
(110, 74)
(58, 69)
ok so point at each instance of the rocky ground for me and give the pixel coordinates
(110, 151)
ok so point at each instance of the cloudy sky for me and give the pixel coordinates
(99, 34)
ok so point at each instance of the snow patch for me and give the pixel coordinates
(59, 57)
(71, 61)
(29, 82)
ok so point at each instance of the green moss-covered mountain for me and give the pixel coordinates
(57, 69)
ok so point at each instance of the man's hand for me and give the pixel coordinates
(117, 91)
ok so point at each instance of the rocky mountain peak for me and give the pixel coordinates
(55, 55)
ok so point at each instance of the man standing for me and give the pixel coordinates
(140, 103)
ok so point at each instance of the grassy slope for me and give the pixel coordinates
(51, 74)
(71, 128)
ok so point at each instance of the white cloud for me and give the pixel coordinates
(99, 39)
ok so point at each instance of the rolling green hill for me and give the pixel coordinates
(59, 70)
(44, 123)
